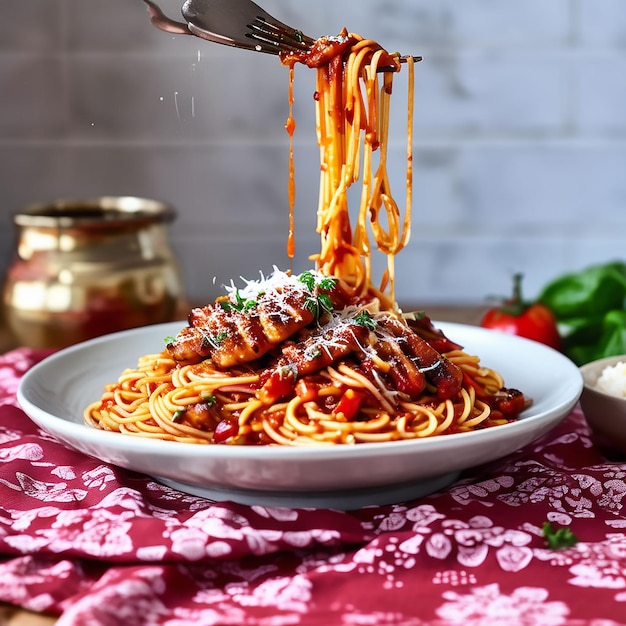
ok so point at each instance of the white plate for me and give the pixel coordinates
(55, 391)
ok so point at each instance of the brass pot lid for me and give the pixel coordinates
(106, 211)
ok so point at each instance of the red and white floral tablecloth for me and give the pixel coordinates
(98, 545)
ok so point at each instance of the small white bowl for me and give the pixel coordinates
(605, 413)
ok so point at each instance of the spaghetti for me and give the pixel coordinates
(324, 357)
(352, 103)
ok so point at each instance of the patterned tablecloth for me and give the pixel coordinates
(98, 545)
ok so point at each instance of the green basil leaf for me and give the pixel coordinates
(591, 292)
(597, 338)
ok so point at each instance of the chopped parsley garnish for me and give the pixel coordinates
(319, 303)
(327, 283)
(208, 398)
(240, 305)
(365, 319)
(169, 339)
(315, 353)
(210, 341)
(178, 414)
(289, 371)
(308, 280)
(558, 538)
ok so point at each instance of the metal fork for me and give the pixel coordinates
(276, 37)
(285, 39)
(238, 23)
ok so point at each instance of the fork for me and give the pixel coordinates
(278, 36)
(286, 39)
(238, 23)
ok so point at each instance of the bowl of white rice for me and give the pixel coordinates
(603, 400)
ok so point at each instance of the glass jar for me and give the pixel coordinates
(84, 268)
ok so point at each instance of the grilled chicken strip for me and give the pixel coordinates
(403, 371)
(229, 337)
(321, 349)
(446, 376)
(422, 325)
(311, 353)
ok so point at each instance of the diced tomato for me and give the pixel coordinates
(281, 383)
(225, 430)
(510, 401)
(306, 390)
(349, 404)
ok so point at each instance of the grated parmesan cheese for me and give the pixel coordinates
(276, 280)
(613, 380)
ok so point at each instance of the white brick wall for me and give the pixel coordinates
(520, 133)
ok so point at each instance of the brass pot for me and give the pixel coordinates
(84, 268)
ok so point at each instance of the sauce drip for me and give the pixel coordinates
(290, 126)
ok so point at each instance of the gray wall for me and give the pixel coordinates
(520, 144)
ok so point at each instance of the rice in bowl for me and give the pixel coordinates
(612, 380)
